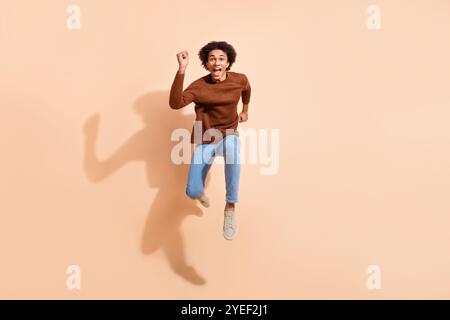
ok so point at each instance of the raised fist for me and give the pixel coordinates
(183, 59)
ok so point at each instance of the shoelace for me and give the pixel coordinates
(228, 221)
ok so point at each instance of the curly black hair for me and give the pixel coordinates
(221, 45)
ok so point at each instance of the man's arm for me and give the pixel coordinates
(243, 116)
(179, 98)
(246, 93)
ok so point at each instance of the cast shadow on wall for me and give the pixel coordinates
(152, 145)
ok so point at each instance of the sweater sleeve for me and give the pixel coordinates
(179, 98)
(246, 91)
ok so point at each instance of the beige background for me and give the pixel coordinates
(364, 151)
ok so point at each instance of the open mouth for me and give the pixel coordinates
(217, 71)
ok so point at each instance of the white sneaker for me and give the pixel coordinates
(229, 224)
(204, 200)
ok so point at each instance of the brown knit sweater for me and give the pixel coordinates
(215, 102)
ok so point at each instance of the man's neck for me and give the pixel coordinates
(219, 80)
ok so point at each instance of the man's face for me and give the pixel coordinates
(217, 64)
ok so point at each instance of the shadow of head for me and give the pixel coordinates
(154, 110)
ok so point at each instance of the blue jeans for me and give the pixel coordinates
(202, 159)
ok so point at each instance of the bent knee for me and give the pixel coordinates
(193, 192)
